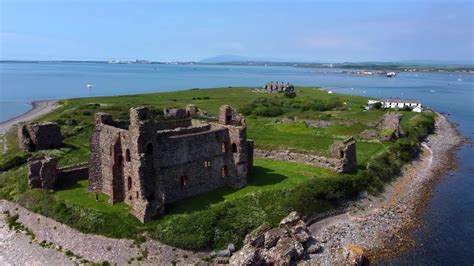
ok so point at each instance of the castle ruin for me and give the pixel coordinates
(39, 136)
(342, 156)
(153, 161)
(42, 172)
(275, 87)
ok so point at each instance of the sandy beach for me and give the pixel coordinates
(39, 108)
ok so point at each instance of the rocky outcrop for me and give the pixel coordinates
(284, 245)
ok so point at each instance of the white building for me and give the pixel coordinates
(398, 104)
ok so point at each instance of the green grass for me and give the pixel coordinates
(216, 218)
(267, 175)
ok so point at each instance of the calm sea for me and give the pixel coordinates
(447, 238)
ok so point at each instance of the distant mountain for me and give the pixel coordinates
(236, 58)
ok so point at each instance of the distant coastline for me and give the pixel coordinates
(458, 68)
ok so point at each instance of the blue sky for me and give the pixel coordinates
(319, 31)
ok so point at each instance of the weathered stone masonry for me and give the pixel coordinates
(43, 172)
(342, 156)
(154, 162)
(39, 136)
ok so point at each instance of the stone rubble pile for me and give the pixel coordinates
(288, 243)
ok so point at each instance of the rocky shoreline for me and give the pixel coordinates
(373, 227)
(379, 226)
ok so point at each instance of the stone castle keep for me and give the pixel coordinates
(149, 162)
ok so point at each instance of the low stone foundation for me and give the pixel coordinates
(343, 156)
(43, 172)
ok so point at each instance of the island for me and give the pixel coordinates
(229, 175)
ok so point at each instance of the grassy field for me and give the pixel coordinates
(76, 119)
(213, 219)
(267, 175)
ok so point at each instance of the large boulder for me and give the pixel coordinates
(284, 245)
(257, 237)
(248, 255)
(296, 227)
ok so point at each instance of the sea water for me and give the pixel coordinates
(448, 234)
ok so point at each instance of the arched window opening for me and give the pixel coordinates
(341, 153)
(224, 171)
(130, 197)
(234, 148)
(127, 155)
(224, 147)
(129, 182)
(184, 180)
(137, 195)
(149, 149)
(207, 164)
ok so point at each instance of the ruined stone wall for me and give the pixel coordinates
(310, 159)
(42, 172)
(342, 159)
(195, 159)
(111, 161)
(390, 125)
(39, 136)
(71, 174)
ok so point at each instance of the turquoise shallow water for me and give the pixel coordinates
(448, 236)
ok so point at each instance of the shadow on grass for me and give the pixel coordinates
(260, 177)
(68, 185)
